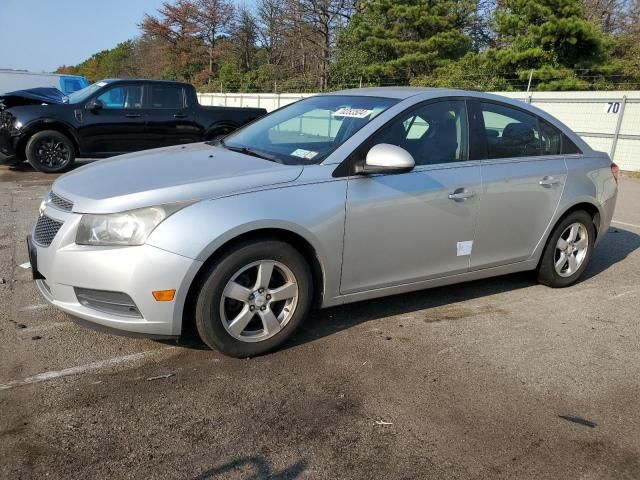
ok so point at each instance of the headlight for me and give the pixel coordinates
(125, 228)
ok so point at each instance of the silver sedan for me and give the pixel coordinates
(334, 199)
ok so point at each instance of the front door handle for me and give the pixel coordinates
(460, 194)
(179, 115)
(132, 115)
(548, 181)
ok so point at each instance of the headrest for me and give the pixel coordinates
(518, 133)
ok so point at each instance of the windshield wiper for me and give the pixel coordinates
(250, 151)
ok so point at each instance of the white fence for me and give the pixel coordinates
(607, 121)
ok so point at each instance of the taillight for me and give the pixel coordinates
(615, 171)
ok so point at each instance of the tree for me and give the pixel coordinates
(190, 27)
(115, 63)
(612, 16)
(272, 29)
(244, 36)
(550, 37)
(406, 38)
(175, 25)
(213, 19)
(316, 22)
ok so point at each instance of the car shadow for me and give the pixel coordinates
(617, 245)
(259, 470)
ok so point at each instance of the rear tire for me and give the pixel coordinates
(252, 299)
(568, 250)
(50, 151)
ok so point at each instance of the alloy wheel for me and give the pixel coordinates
(571, 249)
(259, 300)
(52, 153)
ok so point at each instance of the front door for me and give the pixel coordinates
(523, 178)
(414, 226)
(119, 125)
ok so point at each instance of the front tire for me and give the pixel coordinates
(568, 250)
(253, 298)
(50, 151)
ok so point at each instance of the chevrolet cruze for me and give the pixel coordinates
(337, 198)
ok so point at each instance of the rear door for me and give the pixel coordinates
(171, 121)
(119, 125)
(409, 227)
(523, 178)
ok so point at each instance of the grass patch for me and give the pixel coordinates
(631, 174)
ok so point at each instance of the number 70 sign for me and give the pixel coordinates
(612, 107)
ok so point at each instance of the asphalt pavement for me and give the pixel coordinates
(463, 382)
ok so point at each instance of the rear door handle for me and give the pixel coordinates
(548, 181)
(179, 115)
(132, 115)
(460, 194)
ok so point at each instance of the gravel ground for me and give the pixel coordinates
(461, 382)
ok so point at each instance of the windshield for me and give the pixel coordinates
(306, 132)
(81, 95)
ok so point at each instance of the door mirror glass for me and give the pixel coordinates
(94, 104)
(387, 158)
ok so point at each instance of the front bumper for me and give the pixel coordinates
(8, 143)
(136, 271)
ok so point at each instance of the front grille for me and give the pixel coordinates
(5, 118)
(61, 203)
(46, 229)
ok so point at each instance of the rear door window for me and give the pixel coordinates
(510, 133)
(167, 96)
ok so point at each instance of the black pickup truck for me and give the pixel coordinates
(108, 118)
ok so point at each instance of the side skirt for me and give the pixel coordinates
(436, 282)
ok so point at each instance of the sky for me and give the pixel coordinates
(41, 35)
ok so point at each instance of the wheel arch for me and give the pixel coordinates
(32, 129)
(296, 240)
(220, 128)
(586, 204)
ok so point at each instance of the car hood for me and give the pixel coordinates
(32, 96)
(167, 175)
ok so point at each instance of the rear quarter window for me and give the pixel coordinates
(568, 147)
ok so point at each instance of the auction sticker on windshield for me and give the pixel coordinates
(352, 112)
(302, 153)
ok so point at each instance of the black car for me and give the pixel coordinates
(108, 118)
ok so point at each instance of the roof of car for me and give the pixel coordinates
(394, 92)
(112, 80)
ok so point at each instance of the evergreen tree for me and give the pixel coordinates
(403, 38)
(550, 37)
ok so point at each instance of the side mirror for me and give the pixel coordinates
(94, 105)
(387, 158)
